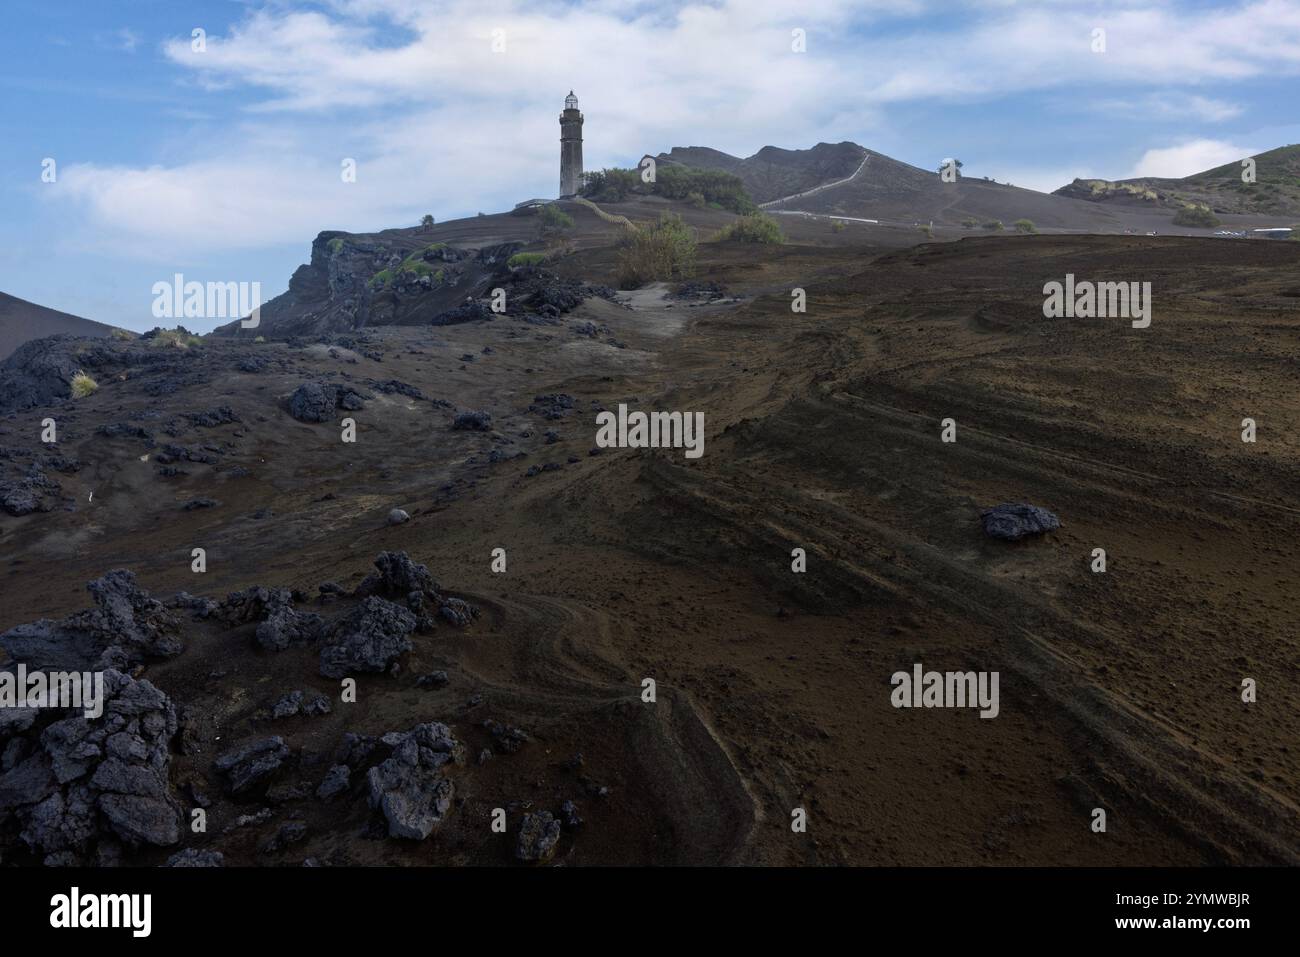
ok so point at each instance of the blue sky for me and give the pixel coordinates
(223, 163)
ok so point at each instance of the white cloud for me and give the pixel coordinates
(1196, 156)
(445, 123)
(1170, 106)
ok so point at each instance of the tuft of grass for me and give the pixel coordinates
(83, 385)
(1196, 216)
(175, 338)
(551, 221)
(526, 259)
(657, 251)
(754, 228)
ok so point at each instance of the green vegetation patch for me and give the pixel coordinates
(754, 228)
(699, 187)
(657, 251)
(526, 259)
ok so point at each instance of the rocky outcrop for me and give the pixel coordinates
(410, 788)
(319, 402)
(125, 627)
(81, 781)
(369, 639)
(280, 625)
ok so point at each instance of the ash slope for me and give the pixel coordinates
(1119, 691)
(22, 321)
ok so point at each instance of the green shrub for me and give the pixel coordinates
(1196, 216)
(696, 199)
(754, 228)
(525, 259)
(381, 279)
(551, 220)
(1025, 226)
(838, 226)
(259, 338)
(927, 229)
(658, 251)
(83, 385)
(121, 334)
(610, 185)
(970, 223)
(718, 189)
(993, 224)
(176, 338)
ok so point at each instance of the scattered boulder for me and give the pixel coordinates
(472, 421)
(1013, 521)
(410, 787)
(506, 739)
(569, 813)
(222, 415)
(291, 832)
(397, 516)
(538, 835)
(317, 402)
(252, 765)
(193, 857)
(457, 612)
(311, 403)
(337, 780)
(296, 703)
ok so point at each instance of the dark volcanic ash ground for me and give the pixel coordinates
(350, 682)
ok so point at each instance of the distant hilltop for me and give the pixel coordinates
(1274, 192)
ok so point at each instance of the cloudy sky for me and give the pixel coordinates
(222, 163)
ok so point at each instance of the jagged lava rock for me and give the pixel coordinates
(369, 639)
(1012, 521)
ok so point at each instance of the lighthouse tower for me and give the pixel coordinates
(570, 147)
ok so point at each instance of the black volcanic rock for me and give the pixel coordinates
(370, 639)
(38, 373)
(124, 628)
(87, 780)
(280, 625)
(311, 403)
(1014, 521)
(397, 576)
(538, 835)
(252, 765)
(472, 421)
(410, 787)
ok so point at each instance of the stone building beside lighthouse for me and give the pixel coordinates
(570, 147)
